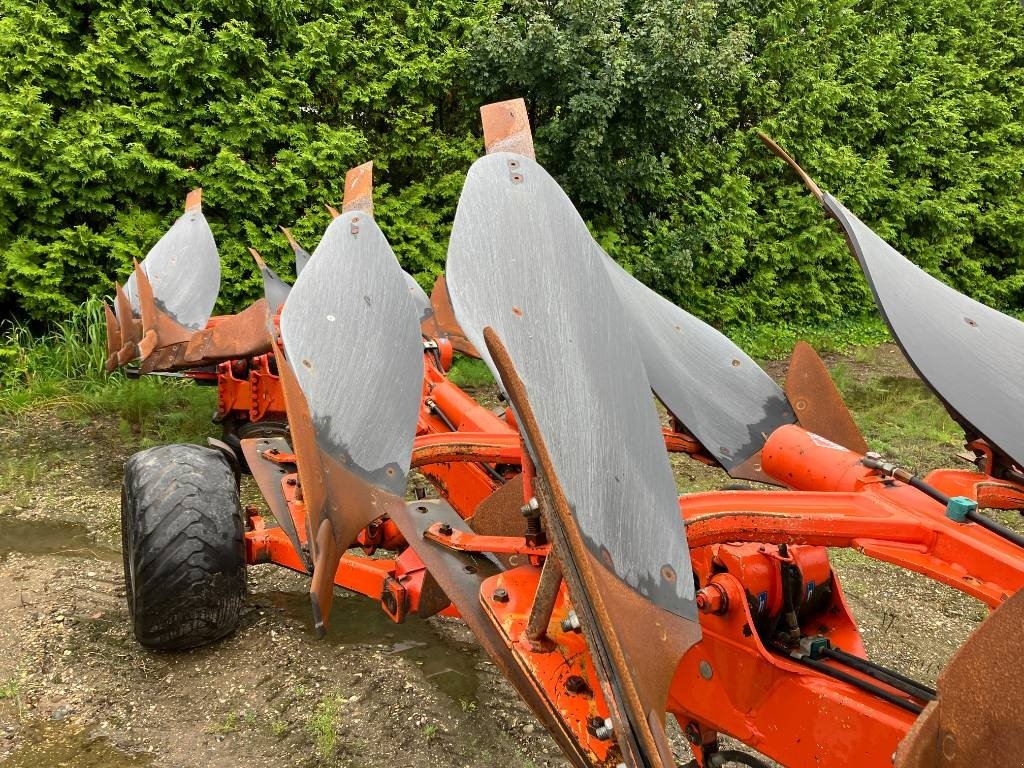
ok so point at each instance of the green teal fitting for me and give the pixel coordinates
(958, 507)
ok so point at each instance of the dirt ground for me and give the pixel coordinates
(76, 690)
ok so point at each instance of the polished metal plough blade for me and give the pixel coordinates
(714, 388)
(593, 430)
(971, 355)
(354, 368)
(183, 269)
(275, 290)
(301, 254)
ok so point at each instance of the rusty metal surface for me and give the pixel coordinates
(444, 317)
(460, 575)
(234, 336)
(507, 128)
(513, 219)
(976, 719)
(714, 388)
(268, 476)
(183, 269)
(359, 189)
(635, 646)
(969, 354)
(816, 401)
(301, 254)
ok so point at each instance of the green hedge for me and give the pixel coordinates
(908, 110)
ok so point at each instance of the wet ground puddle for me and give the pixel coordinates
(449, 666)
(51, 537)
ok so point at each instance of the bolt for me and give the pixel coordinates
(576, 684)
(600, 728)
(705, 670)
(445, 529)
(500, 596)
(571, 623)
(529, 509)
(712, 599)
(292, 481)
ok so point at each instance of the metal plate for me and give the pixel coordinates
(419, 298)
(353, 341)
(268, 476)
(184, 270)
(558, 314)
(712, 386)
(275, 290)
(970, 355)
(817, 401)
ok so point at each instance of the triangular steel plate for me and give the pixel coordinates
(184, 270)
(971, 355)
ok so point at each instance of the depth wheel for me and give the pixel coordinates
(183, 547)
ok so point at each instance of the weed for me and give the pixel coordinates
(322, 725)
(776, 341)
(470, 372)
(467, 706)
(230, 725)
(62, 370)
(430, 733)
(278, 728)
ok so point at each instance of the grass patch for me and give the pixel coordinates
(61, 370)
(776, 341)
(322, 725)
(470, 372)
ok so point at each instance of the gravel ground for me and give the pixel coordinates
(76, 690)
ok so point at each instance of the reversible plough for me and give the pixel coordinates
(558, 537)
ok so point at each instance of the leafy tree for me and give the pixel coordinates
(908, 111)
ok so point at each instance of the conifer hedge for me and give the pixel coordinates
(909, 111)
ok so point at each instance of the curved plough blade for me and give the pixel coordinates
(301, 254)
(970, 355)
(714, 388)
(183, 269)
(275, 290)
(558, 340)
(352, 406)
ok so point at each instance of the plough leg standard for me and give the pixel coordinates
(606, 600)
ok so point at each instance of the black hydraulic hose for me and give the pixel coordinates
(934, 493)
(882, 674)
(491, 471)
(855, 681)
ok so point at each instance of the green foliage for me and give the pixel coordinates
(470, 372)
(775, 341)
(62, 370)
(908, 111)
(111, 111)
(646, 110)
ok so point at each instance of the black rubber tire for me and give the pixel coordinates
(234, 431)
(183, 546)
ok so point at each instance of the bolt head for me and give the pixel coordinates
(500, 596)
